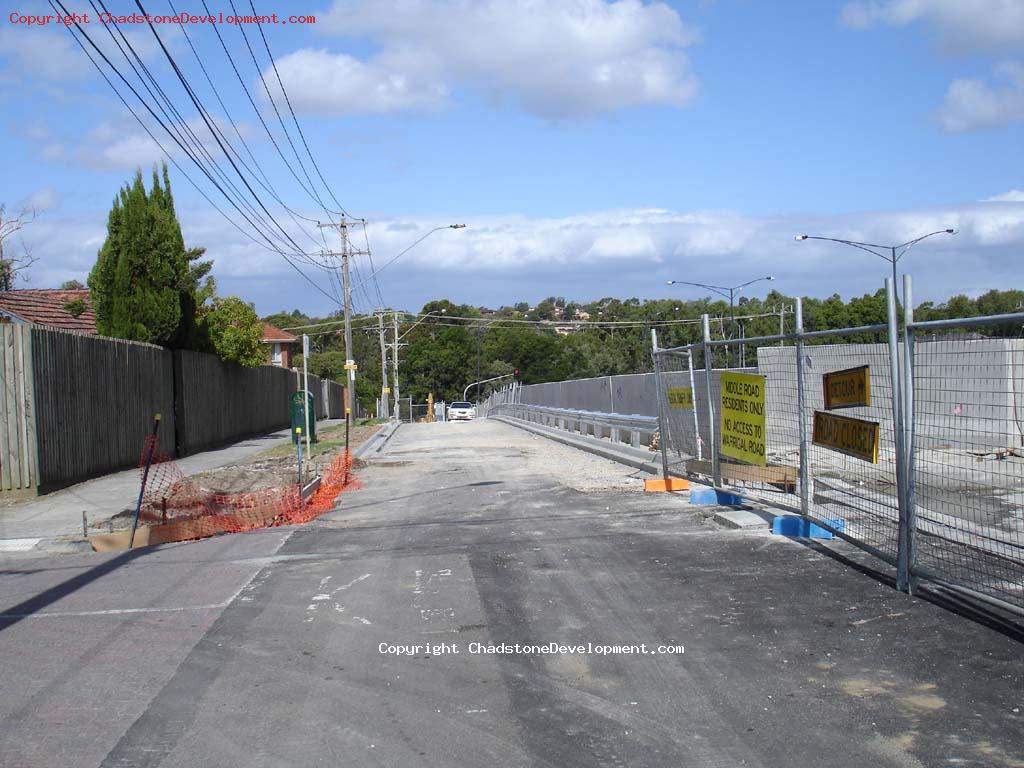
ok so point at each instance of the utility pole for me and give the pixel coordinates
(394, 365)
(385, 392)
(350, 363)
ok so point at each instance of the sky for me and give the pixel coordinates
(591, 148)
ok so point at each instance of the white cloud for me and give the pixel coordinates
(1013, 196)
(320, 82)
(553, 58)
(44, 54)
(964, 25)
(53, 55)
(972, 104)
(632, 252)
(43, 199)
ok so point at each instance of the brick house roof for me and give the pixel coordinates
(272, 334)
(45, 306)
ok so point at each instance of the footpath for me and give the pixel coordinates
(53, 522)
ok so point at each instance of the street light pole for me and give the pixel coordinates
(895, 252)
(730, 294)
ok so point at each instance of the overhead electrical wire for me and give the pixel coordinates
(54, 4)
(287, 135)
(288, 101)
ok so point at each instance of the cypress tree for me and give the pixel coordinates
(142, 285)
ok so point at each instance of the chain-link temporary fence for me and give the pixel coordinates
(965, 439)
(913, 451)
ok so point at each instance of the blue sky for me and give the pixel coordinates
(592, 148)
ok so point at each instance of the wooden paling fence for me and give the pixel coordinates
(74, 406)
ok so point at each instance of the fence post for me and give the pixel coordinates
(909, 495)
(716, 469)
(696, 421)
(662, 416)
(806, 481)
(902, 551)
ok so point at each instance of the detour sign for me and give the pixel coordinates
(854, 437)
(680, 397)
(742, 418)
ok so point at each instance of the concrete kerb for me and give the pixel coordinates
(377, 440)
(589, 444)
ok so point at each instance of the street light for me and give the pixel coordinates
(729, 293)
(896, 252)
(405, 251)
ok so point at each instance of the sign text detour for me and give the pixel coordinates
(742, 417)
(680, 397)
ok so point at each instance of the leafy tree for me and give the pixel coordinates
(233, 331)
(72, 285)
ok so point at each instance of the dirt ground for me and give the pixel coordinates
(279, 466)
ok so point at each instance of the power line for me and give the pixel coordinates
(288, 101)
(54, 5)
(252, 55)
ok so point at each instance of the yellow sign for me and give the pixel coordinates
(741, 422)
(847, 389)
(854, 437)
(385, 390)
(351, 367)
(680, 397)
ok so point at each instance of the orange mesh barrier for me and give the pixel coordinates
(177, 509)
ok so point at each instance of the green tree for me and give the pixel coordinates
(233, 331)
(144, 284)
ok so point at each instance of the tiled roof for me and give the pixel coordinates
(46, 307)
(270, 333)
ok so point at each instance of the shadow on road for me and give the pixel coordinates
(33, 605)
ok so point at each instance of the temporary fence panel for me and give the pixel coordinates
(19, 471)
(966, 440)
(96, 399)
(745, 428)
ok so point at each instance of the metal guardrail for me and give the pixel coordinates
(635, 428)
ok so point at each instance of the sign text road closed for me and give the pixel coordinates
(681, 397)
(847, 389)
(854, 437)
(741, 424)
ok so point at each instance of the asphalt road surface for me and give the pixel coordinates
(307, 646)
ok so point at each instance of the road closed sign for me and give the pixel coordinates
(854, 437)
(741, 422)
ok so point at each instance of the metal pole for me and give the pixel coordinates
(693, 391)
(732, 316)
(384, 393)
(394, 366)
(659, 389)
(902, 562)
(350, 363)
(806, 481)
(145, 476)
(305, 388)
(478, 363)
(909, 495)
(716, 469)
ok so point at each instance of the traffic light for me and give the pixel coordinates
(515, 373)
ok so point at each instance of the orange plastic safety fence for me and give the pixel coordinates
(181, 510)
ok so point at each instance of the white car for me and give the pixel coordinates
(461, 411)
